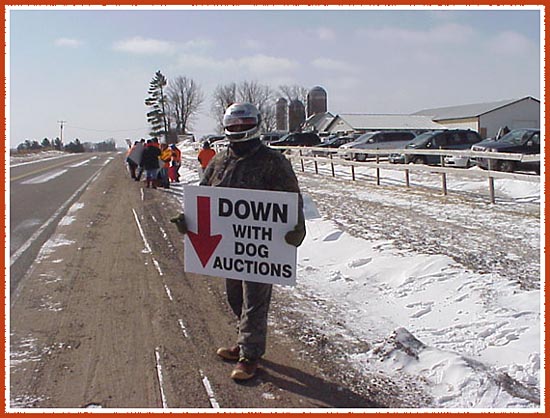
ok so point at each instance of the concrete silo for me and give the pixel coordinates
(281, 114)
(296, 115)
(316, 101)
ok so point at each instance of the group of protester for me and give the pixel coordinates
(160, 162)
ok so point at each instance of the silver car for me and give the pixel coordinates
(460, 161)
(379, 140)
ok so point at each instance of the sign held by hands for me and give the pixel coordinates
(239, 234)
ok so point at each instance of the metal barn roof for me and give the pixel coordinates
(467, 111)
(390, 121)
(319, 121)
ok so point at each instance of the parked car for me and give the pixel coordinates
(375, 140)
(298, 139)
(385, 140)
(213, 138)
(521, 141)
(269, 137)
(451, 139)
(459, 161)
(333, 142)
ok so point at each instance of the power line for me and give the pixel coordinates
(109, 130)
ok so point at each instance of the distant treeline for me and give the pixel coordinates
(73, 146)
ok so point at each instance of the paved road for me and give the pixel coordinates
(41, 192)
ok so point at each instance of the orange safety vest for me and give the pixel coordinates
(165, 156)
(176, 155)
(205, 155)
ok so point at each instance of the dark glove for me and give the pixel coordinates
(180, 223)
(296, 236)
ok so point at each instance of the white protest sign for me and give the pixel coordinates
(136, 153)
(239, 234)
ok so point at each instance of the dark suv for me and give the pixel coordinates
(298, 139)
(450, 139)
(332, 142)
(520, 141)
(269, 137)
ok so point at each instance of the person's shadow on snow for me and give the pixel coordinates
(304, 384)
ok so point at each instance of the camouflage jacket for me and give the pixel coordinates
(261, 169)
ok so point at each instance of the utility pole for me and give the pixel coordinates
(61, 122)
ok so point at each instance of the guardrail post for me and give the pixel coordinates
(492, 189)
(315, 161)
(444, 183)
(491, 182)
(302, 161)
(377, 170)
(331, 165)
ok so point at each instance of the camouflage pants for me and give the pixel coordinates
(250, 302)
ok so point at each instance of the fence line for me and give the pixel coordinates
(379, 165)
(413, 151)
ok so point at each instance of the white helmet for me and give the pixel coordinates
(241, 122)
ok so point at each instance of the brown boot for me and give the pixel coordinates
(245, 369)
(231, 353)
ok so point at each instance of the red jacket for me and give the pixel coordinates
(205, 155)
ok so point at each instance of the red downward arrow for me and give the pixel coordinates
(204, 243)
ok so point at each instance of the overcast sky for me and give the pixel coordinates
(92, 67)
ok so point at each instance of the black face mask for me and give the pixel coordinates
(243, 148)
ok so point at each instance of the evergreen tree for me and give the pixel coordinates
(57, 144)
(74, 146)
(46, 143)
(157, 102)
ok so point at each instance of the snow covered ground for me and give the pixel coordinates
(25, 158)
(442, 291)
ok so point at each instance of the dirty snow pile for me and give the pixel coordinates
(474, 339)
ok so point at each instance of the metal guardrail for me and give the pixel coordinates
(413, 151)
(306, 154)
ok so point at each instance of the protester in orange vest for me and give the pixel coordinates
(164, 163)
(173, 173)
(205, 155)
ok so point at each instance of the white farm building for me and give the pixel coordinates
(487, 118)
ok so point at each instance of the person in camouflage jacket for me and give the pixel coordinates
(248, 164)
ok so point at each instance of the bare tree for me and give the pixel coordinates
(263, 97)
(294, 92)
(223, 97)
(185, 98)
(253, 92)
(260, 95)
(269, 120)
